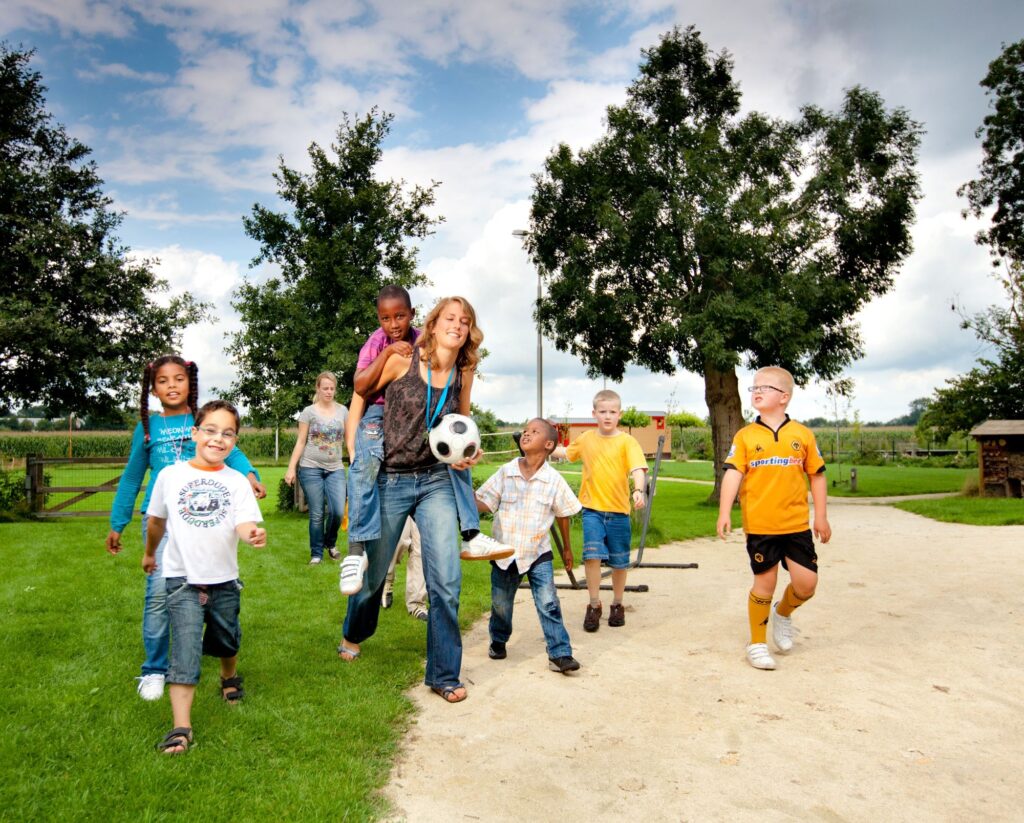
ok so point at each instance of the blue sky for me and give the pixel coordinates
(188, 104)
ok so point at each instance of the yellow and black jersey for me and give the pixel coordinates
(774, 465)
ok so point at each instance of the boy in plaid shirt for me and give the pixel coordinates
(527, 496)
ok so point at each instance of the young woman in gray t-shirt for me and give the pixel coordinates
(316, 461)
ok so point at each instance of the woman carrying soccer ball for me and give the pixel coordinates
(435, 380)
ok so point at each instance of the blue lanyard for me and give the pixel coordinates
(429, 418)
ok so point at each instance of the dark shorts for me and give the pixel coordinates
(767, 550)
(201, 628)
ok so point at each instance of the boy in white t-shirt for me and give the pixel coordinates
(206, 507)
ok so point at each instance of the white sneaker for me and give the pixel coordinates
(483, 547)
(352, 569)
(782, 630)
(757, 654)
(151, 686)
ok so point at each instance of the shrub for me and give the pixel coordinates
(285, 497)
(12, 493)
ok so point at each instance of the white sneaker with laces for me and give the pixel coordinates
(757, 654)
(352, 569)
(483, 547)
(151, 686)
(782, 630)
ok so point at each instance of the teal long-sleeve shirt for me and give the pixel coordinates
(170, 440)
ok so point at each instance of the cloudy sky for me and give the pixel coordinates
(187, 105)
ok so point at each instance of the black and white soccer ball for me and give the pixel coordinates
(455, 438)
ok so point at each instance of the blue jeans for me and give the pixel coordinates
(320, 486)
(465, 499)
(156, 629)
(363, 499)
(505, 584)
(429, 498)
(190, 616)
(606, 536)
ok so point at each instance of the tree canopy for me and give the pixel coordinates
(994, 388)
(78, 317)
(1000, 182)
(345, 238)
(716, 240)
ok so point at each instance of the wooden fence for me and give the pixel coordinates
(47, 497)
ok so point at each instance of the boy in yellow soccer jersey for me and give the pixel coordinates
(771, 457)
(610, 458)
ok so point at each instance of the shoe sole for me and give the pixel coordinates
(493, 556)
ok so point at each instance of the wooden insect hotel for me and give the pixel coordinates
(1000, 457)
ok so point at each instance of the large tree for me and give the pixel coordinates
(1000, 183)
(78, 317)
(994, 388)
(346, 236)
(688, 236)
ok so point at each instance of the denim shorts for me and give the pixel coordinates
(606, 536)
(189, 616)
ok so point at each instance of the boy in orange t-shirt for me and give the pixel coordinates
(772, 457)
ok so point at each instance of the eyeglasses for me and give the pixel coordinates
(764, 389)
(211, 432)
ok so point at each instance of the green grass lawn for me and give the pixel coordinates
(872, 481)
(975, 511)
(314, 739)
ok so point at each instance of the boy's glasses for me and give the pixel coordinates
(211, 432)
(764, 389)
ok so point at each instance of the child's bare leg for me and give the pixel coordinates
(592, 569)
(764, 583)
(759, 603)
(803, 583)
(181, 708)
(228, 668)
(618, 584)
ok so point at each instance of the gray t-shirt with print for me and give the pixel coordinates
(326, 436)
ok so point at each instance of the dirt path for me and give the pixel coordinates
(901, 701)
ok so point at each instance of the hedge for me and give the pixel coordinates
(256, 444)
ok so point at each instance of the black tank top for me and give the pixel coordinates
(405, 402)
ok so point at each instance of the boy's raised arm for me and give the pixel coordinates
(252, 533)
(563, 530)
(366, 378)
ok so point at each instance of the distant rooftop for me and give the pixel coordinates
(994, 428)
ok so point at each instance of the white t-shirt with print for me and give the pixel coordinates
(202, 508)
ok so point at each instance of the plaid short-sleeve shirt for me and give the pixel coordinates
(525, 509)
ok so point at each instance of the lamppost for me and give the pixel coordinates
(522, 234)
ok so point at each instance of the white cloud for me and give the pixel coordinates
(101, 70)
(209, 278)
(88, 18)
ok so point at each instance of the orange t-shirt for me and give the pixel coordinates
(607, 463)
(774, 465)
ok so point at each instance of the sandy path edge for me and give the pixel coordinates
(902, 700)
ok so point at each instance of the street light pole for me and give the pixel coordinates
(522, 234)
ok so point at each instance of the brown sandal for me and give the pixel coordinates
(448, 693)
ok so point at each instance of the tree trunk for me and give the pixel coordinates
(722, 394)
